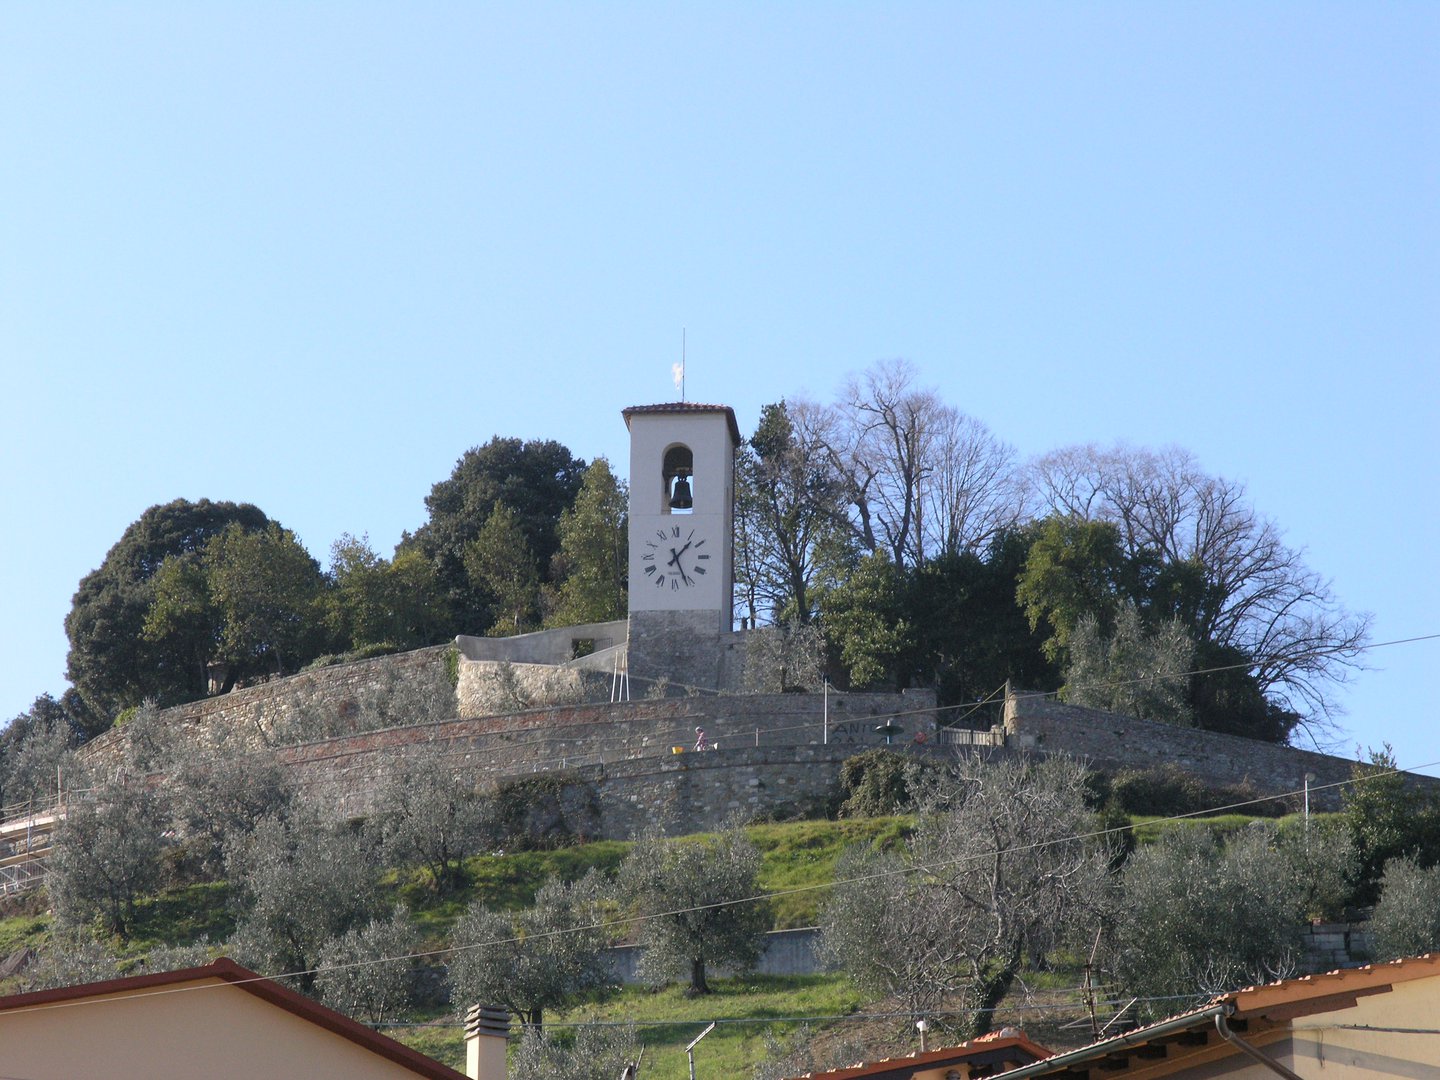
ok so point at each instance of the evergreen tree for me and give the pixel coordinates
(592, 567)
(501, 564)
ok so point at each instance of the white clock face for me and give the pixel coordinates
(676, 558)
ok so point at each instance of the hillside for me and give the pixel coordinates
(798, 862)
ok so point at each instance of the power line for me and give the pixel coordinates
(759, 897)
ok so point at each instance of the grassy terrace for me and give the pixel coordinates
(744, 1009)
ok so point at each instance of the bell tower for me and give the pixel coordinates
(682, 534)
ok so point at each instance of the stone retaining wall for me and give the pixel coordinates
(1107, 741)
(639, 756)
(340, 698)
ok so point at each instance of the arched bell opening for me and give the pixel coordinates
(678, 471)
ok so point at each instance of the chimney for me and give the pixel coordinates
(487, 1028)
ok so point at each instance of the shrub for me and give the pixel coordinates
(542, 812)
(875, 784)
(1162, 792)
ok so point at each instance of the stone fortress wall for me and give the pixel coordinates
(1109, 742)
(772, 753)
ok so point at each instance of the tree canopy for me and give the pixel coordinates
(537, 480)
(591, 569)
(112, 662)
(997, 866)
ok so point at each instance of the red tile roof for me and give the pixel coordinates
(997, 1046)
(1276, 1002)
(686, 407)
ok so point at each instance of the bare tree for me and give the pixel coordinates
(996, 867)
(892, 429)
(922, 478)
(975, 493)
(1257, 594)
(783, 658)
(790, 506)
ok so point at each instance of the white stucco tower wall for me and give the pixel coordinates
(681, 562)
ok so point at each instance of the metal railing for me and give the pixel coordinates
(25, 830)
(22, 876)
(969, 737)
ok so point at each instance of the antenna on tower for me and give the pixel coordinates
(678, 370)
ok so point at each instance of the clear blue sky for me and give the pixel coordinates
(306, 255)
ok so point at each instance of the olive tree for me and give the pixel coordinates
(595, 1052)
(219, 793)
(1136, 671)
(368, 971)
(1200, 917)
(298, 885)
(534, 959)
(1407, 916)
(696, 899)
(33, 758)
(69, 958)
(997, 866)
(427, 813)
(107, 854)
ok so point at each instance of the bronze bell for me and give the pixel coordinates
(680, 498)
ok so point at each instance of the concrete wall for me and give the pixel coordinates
(1327, 946)
(785, 952)
(542, 646)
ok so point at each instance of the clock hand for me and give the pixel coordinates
(675, 562)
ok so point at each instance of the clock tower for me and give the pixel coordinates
(682, 532)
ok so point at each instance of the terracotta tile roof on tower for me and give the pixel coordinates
(686, 407)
